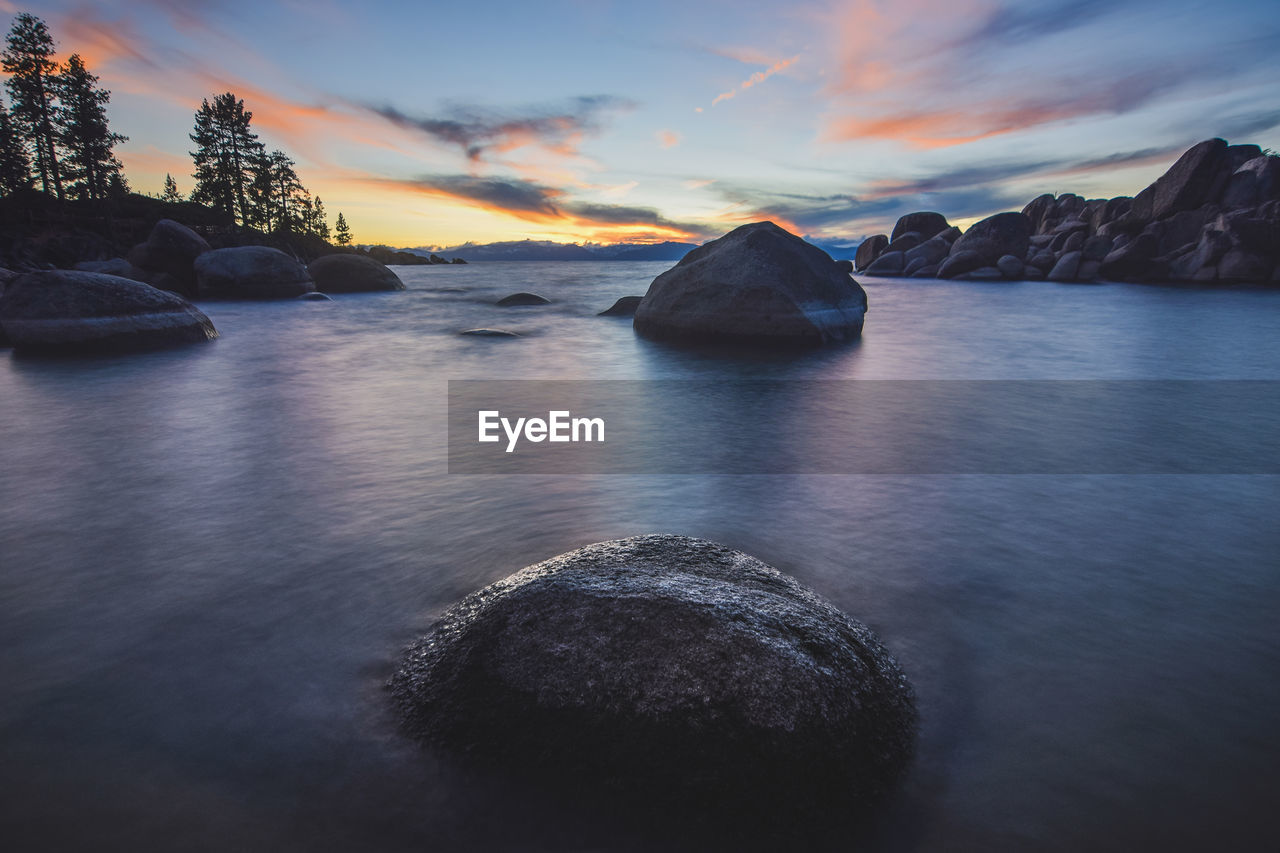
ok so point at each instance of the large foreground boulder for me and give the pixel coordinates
(758, 283)
(251, 272)
(663, 664)
(58, 311)
(352, 274)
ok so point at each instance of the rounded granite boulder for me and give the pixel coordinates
(251, 272)
(756, 284)
(522, 298)
(67, 311)
(352, 274)
(664, 665)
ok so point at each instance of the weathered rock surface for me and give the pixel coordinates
(523, 299)
(925, 223)
(171, 249)
(890, 263)
(871, 248)
(1002, 234)
(624, 307)
(757, 283)
(343, 273)
(68, 311)
(250, 272)
(663, 664)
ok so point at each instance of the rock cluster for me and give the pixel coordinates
(1214, 216)
(663, 664)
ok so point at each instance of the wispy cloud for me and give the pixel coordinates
(668, 138)
(477, 132)
(756, 79)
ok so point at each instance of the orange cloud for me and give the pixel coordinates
(668, 138)
(756, 79)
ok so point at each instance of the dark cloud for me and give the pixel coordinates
(531, 200)
(514, 196)
(476, 131)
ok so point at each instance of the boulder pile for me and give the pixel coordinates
(1214, 216)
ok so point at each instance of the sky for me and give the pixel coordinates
(434, 124)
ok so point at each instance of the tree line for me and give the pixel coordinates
(57, 126)
(57, 123)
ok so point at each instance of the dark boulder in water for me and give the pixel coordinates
(59, 311)
(315, 297)
(757, 284)
(624, 307)
(523, 299)
(251, 272)
(663, 665)
(352, 274)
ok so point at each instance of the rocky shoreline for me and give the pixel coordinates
(1213, 217)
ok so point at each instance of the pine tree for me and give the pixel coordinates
(85, 137)
(28, 60)
(342, 231)
(15, 166)
(319, 221)
(226, 154)
(171, 193)
(287, 192)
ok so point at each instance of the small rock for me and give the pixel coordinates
(1067, 267)
(624, 307)
(490, 333)
(1010, 267)
(523, 299)
(871, 248)
(890, 263)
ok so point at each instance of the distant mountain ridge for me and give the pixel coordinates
(546, 250)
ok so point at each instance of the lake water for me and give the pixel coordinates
(210, 558)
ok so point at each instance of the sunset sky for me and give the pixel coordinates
(430, 124)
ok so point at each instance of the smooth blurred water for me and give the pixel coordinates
(210, 558)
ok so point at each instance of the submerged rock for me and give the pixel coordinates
(59, 311)
(624, 307)
(663, 664)
(490, 333)
(758, 283)
(315, 297)
(352, 274)
(251, 272)
(523, 299)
